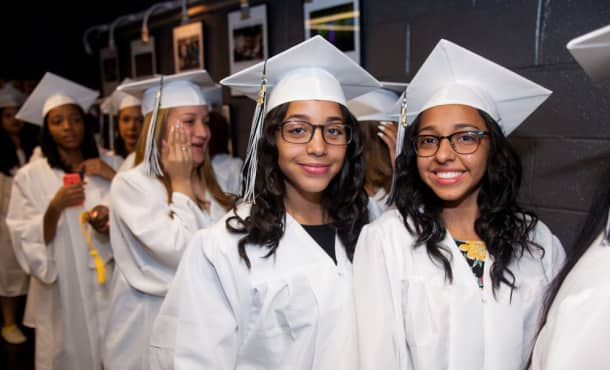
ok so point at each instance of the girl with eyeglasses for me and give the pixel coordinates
(269, 287)
(453, 277)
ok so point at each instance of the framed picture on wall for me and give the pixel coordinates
(188, 47)
(143, 58)
(247, 38)
(109, 70)
(338, 21)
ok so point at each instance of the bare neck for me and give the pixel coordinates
(73, 158)
(460, 220)
(305, 208)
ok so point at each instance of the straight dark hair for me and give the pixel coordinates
(503, 225)
(49, 147)
(344, 199)
(28, 137)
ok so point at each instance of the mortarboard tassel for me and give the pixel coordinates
(400, 138)
(151, 152)
(99, 263)
(256, 130)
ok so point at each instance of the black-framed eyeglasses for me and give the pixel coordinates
(462, 142)
(301, 132)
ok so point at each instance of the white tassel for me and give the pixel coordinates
(400, 138)
(256, 131)
(151, 152)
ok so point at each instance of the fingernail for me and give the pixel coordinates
(380, 134)
(381, 127)
(384, 123)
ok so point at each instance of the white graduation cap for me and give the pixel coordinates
(10, 96)
(454, 75)
(592, 52)
(160, 92)
(119, 100)
(378, 104)
(311, 70)
(213, 95)
(51, 92)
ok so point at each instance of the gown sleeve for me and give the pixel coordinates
(210, 290)
(25, 222)
(163, 230)
(378, 322)
(578, 337)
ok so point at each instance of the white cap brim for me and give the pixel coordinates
(51, 92)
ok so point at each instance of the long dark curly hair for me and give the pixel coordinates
(344, 199)
(49, 147)
(503, 225)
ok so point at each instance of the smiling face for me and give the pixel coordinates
(130, 125)
(308, 168)
(454, 178)
(67, 126)
(194, 119)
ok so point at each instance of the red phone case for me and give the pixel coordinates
(71, 178)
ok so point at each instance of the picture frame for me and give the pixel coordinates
(248, 41)
(188, 47)
(109, 70)
(143, 58)
(338, 21)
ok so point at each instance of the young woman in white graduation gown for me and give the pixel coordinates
(69, 284)
(575, 327)
(269, 286)
(453, 277)
(157, 207)
(378, 125)
(17, 140)
(127, 110)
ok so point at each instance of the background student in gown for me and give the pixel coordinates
(374, 112)
(269, 286)
(575, 327)
(17, 140)
(157, 206)
(453, 277)
(69, 262)
(126, 109)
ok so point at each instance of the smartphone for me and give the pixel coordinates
(72, 178)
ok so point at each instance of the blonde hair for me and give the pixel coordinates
(205, 171)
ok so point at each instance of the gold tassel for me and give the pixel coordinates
(99, 263)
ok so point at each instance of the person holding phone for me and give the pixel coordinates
(63, 246)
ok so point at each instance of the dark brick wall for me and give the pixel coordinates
(564, 145)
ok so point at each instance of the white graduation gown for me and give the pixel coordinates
(290, 311)
(577, 331)
(128, 162)
(228, 172)
(13, 280)
(377, 204)
(409, 317)
(70, 306)
(148, 244)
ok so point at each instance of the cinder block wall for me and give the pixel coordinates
(564, 145)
